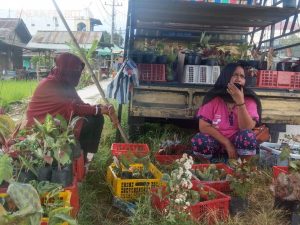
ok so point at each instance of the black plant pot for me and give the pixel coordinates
(263, 65)
(284, 66)
(251, 81)
(211, 62)
(197, 60)
(296, 68)
(149, 58)
(45, 173)
(137, 57)
(63, 176)
(253, 63)
(161, 59)
(26, 176)
(189, 59)
(237, 205)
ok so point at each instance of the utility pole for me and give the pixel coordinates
(113, 15)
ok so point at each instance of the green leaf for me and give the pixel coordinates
(6, 168)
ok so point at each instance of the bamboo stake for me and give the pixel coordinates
(124, 136)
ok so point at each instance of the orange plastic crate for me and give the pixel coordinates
(279, 169)
(278, 79)
(74, 201)
(210, 210)
(152, 72)
(122, 148)
(78, 168)
(222, 185)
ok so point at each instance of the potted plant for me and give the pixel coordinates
(179, 197)
(285, 188)
(242, 182)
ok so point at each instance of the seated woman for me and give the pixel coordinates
(56, 94)
(227, 116)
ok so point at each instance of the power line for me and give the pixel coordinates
(105, 9)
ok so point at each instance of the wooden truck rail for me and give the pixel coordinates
(279, 106)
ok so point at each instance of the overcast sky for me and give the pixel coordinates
(101, 9)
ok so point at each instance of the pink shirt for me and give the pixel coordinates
(216, 113)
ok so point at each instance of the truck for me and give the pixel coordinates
(177, 24)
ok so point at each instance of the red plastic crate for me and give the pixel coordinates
(152, 72)
(211, 210)
(122, 148)
(279, 169)
(278, 79)
(169, 159)
(222, 185)
(74, 202)
(78, 168)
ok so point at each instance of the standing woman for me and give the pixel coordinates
(227, 116)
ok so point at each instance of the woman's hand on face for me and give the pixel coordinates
(236, 94)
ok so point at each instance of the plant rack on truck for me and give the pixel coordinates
(165, 37)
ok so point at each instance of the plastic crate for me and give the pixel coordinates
(222, 185)
(131, 189)
(210, 210)
(205, 75)
(191, 73)
(152, 72)
(74, 201)
(78, 168)
(65, 196)
(45, 221)
(122, 148)
(269, 155)
(170, 159)
(278, 79)
(215, 73)
(279, 169)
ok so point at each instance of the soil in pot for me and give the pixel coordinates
(45, 173)
(63, 176)
(26, 176)
(237, 205)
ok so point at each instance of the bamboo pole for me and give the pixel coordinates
(123, 134)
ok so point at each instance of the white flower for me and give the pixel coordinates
(190, 185)
(188, 203)
(177, 200)
(187, 165)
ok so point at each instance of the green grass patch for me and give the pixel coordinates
(12, 91)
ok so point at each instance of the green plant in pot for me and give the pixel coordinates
(242, 182)
(57, 139)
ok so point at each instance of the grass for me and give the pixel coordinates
(12, 91)
(96, 197)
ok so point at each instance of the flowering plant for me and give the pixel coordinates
(179, 194)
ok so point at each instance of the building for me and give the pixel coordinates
(48, 20)
(14, 37)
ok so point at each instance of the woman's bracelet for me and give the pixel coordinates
(240, 104)
(97, 109)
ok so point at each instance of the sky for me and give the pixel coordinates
(100, 9)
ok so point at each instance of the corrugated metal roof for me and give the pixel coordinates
(8, 26)
(62, 37)
(58, 40)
